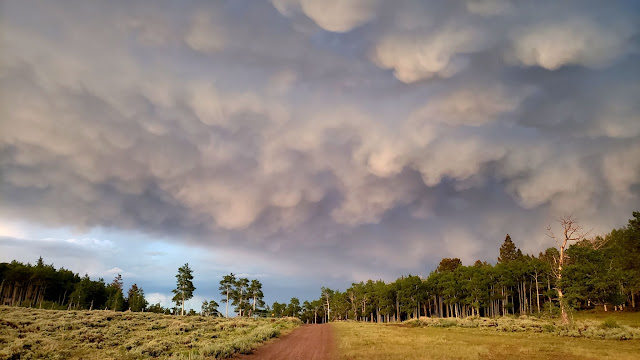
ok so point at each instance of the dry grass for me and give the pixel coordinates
(609, 328)
(50, 334)
(382, 342)
(631, 319)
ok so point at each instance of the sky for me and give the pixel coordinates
(309, 143)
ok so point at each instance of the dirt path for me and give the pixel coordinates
(308, 342)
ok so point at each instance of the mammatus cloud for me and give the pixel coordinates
(331, 15)
(489, 7)
(423, 56)
(284, 140)
(573, 41)
(204, 35)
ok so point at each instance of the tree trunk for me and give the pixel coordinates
(530, 298)
(537, 293)
(503, 301)
(182, 313)
(563, 307)
(13, 297)
(227, 312)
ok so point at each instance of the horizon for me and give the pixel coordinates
(309, 146)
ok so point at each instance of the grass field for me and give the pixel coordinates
(50, 334)
(379, 341)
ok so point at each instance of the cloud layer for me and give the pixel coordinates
(364, 138)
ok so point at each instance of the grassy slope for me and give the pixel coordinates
(373, 341)
(49, 334)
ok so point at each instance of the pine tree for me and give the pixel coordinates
(508, 251)
(448, 265)
(136, 299)
(115, 297)
(210, 308)
(184, 286)
(226, 288)
(240, 296)
(256, 296)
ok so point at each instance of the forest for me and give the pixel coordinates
(580, 273)
(43, 286)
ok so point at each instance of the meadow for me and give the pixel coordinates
(50, 334)
(506, 338)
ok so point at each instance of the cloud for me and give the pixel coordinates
(423, 56)
(489, 7)
(474, 106)
(331, 15)
(574, 41)
(204, 35)
(273, 141)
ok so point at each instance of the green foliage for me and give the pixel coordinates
(210, 308)
(135, 299)
(184, 286)
(448, 265)
(227, 285)
(583, 328)
(293, 309)
(246, 295)
(610, 323)
(115, 299)
(602, 270)
(508, 251)
(45, 287)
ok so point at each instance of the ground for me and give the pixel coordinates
(309, 342)
(49, 334)
(377, 342)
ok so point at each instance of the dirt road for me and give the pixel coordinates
(308, 342)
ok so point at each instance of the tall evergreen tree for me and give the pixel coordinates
(184, 286)
(226, 289)
(293, 309)
(447, 265)
(254, 292)
(136, 298)
(210, 308)
(240, 296)
(508, 251)
(115, 299)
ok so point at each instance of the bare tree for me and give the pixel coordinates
(571, 232)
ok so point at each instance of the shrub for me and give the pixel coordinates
(549, 328)
(610, 323)
(445, 323)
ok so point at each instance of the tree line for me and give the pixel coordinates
(42, 285)
(579, 273)
(245, 294)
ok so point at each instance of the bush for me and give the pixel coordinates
(610, 323)
(549, 328)
(609, 329)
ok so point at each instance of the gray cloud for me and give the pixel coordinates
(368, 144)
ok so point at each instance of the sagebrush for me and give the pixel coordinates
(51, 334)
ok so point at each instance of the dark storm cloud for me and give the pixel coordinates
(350, 138)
